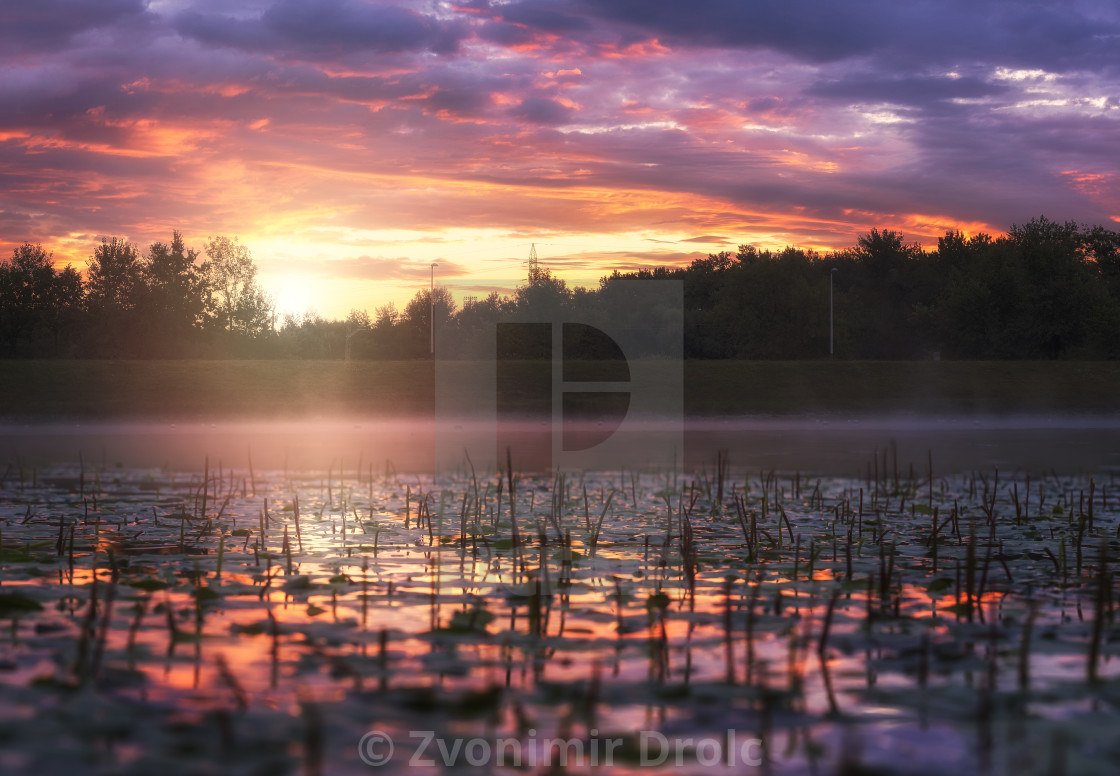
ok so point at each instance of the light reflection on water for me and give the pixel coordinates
(450, 632)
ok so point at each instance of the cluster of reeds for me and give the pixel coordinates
(787, 527)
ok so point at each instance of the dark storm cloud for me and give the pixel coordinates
(548, 16)
(39, 25)
(924, 32)
(323, 30)
(816, 30)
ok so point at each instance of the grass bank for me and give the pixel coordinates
(212, 389)
(936, 387)
(42, 390)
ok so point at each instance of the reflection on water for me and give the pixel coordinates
(267, 618)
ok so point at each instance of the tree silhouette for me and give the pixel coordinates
(114, 292)
(415, 325)
(37, 303)
(174, 300)
(237, 301)
(1046, 289)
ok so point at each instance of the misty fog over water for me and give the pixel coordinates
(834, 445)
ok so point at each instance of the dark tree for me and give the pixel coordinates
(39, 306)
(415, 327)
(114, 297)
(173, 301)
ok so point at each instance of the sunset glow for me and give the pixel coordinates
(350, 144)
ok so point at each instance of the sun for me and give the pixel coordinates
(292, 294)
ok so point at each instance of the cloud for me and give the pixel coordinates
(506, 34)
(375, 268)
(910, 90)
(327, 30)
(49, 25)
(542, 110)
(823, 31)
(710, 239)
(605, 262)
(344, 127)
(552, 17)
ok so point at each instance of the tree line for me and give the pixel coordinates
(167, 303)
(1045, 290)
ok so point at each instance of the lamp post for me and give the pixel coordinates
(432, 310)
(831, 275)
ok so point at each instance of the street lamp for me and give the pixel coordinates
(432, 311)
(831, 275)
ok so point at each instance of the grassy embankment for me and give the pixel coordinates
(42, 390)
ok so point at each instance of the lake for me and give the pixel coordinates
(794, 596)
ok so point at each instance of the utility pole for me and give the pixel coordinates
(432, 310)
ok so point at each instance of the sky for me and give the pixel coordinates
(351, 144)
